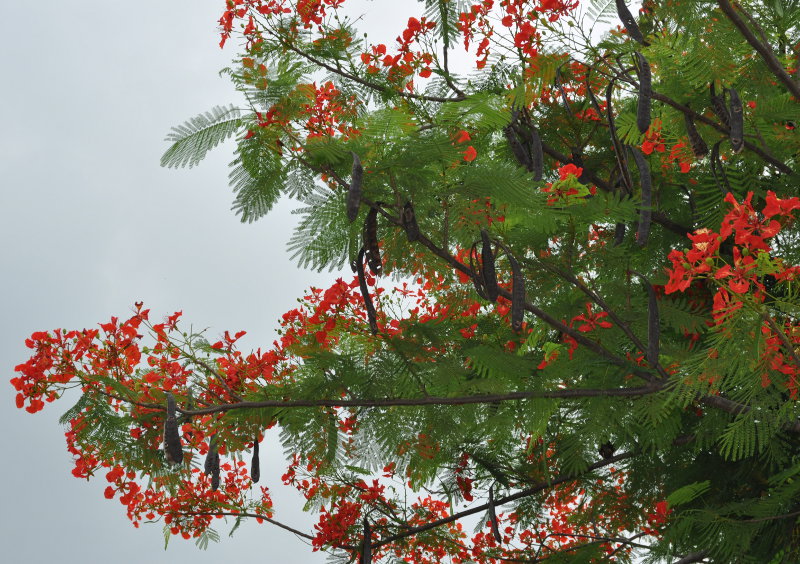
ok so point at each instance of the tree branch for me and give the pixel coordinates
(502, 501)
(773, 64)
(429, 400)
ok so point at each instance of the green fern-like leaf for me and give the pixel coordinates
(192, 140)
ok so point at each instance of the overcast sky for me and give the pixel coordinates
(91, 224)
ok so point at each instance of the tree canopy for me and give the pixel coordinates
(572, 307)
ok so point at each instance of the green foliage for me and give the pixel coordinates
(192, 140)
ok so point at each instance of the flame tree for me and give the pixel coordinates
(573, 304)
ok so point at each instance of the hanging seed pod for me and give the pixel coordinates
(537, 155)
(628, 21)
(172, 439)
(475, 272)
(212, 457)
(619, 234)
(517, 293)
(645, 212)
(362, 283)
(487, 267)
(520, 152)
(493, 519)
(699, 147)
(653, 323)
(560, 87)
(354, 192)
(606, 450)
(645, 94)
(718, 106)
(409, 221)
(215, 478)
(737, 121)
(366, 544)
(255, 464)
(371, 242)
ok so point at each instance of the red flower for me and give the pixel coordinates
(470, 154)
(568, 169)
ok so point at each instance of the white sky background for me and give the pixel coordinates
(90, 224)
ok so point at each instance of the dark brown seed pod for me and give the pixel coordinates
(520, 152)
(619, 234)
(537, 155)
(172, 439)
(737, 121)
(366, 544)
(211, 465)
(517, 293)
(215, 478)
(371, 242)
(718, 106)
(255, 464)
(362, 283)
(645, 212)
(653, 322)
(619, 151)
(493, 519)
(354, 192)
(487, 267)
(645, 94)
(628, 21)
(409, 220)
(606, 450)
(560, 87)
(475, 272)
(699, 147)
(212, 456)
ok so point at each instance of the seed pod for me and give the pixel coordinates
(628, 21)
(645, 94)
(493, 519)
(255, 464)
(560, 87)
(366, 544)
(520, 152)
(487, 268)
(409, 221)
(699, 147)
(362, 283)
(619, 234)
(371, 242)
(737, 121)
(354, 192)
(645, 212)
(215, 478)
(172, 439)
(537, 156)
(718, 105)
(212, 456)
(517, 293)
(475, 272)
(606, 450)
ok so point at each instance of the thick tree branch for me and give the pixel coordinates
(429, 400)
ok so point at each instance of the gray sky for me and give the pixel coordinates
(91, 224)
